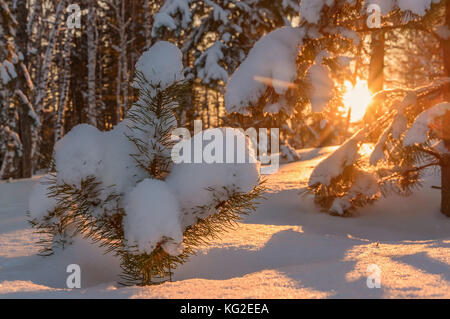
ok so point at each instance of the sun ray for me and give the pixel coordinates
(356, 99)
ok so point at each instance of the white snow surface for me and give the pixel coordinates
(365, 184)
(7, 71)
(287, 249)
(310, 10)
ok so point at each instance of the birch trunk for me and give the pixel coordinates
(376, 68)
(92, 54)
(62, 101)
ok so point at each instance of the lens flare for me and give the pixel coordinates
(357, 98)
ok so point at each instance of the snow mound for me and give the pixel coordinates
(333, 165)
(39, 204)
(78, 155)
(228, 164)
(161, 65)
(152, 214)
(86, 152)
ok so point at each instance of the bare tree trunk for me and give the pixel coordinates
(123, 55)
(445, 191)
(25, 122)
(121, 25)
(43, 83)
(45, 73)
(92, 53)
(147, 24)
(64, 90)
(446, 48)
(445, 161)
(376, 68)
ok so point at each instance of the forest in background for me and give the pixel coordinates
(83, 74)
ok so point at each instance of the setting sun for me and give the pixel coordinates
(357, 98)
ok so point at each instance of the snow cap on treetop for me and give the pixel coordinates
(161, 65)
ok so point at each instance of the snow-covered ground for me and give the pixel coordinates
(287, 249)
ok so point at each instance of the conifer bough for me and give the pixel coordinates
(121, 191)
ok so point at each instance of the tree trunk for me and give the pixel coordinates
(25, 122)
(445, 161)
(445, 191)
(64, 88)
(376, 68)
(446, 48)
(92, 62)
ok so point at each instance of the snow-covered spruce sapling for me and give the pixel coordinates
(120, 190)
(411, 134)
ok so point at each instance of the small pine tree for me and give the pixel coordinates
(97, 212)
